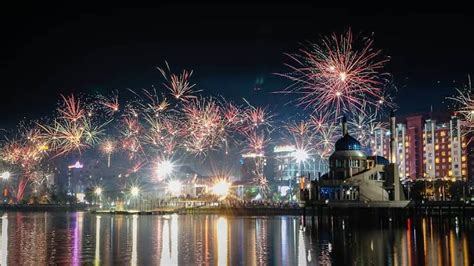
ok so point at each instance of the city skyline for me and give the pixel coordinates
(236, 134)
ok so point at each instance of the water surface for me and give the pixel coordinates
(37, 238)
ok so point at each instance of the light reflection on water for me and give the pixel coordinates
(40, 238)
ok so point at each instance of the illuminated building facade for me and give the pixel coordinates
(286, 166)
(428, 148)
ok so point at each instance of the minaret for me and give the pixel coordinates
(393, 145)
(344, 126)
(393, 160)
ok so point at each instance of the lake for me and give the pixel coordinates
(37, 238)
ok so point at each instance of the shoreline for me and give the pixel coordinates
(307, 211)
(42, 207)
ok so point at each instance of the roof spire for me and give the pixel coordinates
(344, 126)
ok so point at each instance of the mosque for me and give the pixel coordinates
(354, 176)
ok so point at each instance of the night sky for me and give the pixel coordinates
(232, 49)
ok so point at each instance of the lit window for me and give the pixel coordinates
(436, 147)
(443, 133)
(463, 158)
(450, 173)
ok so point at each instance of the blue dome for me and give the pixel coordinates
(347, 143)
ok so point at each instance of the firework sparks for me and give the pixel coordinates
(144, 127)
(108, 147)
(303, 139)
(178, 85)
(204, 125)
(111, 104)
(26, 152)
(338, 74)
(71, 108)
(326, 133)
(154, 103)
(364, 126)
(464, 105)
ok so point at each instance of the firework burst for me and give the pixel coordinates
(178, 85)
(464, 107)
(71, 108)
(338, 74)
(107, 147)
(204, 125)
(110, 104)
(364, 126)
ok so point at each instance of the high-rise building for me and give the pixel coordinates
(427, 148)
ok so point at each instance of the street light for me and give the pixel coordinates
(221, 188)
(134, 191)
(6, 175)
(98, 191)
